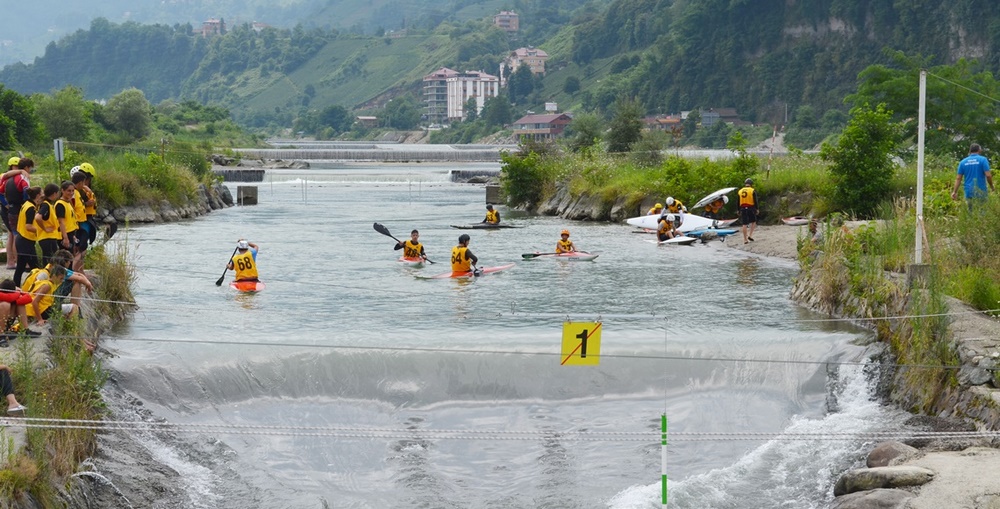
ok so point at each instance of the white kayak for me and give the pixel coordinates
(691, 222)
(712, 197)
(682, 240)
(411, 262)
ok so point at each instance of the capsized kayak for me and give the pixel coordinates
(691, 222)
(683, 240)
(468, 275)
(720, 232)
(411, 262)
(485, 226)
(247, 286)
(579, 256)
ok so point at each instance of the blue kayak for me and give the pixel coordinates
(721, 232)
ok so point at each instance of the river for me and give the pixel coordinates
(344, 337)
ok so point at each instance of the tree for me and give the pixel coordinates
(572, 85)
(521, 84)
(64, 114)
(626, 126)
(862, 168)
(497, 111)
(401, 113)
(335, 117)
(471, 110)
(129, 112)
(584, 131)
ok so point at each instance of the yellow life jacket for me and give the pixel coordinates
(243, 264)
(492, 216)
(71, 224)
(33, 275)
(52, 222)
(411, 250)
(747, 197)
(22, 222)
(47, 297)
(654, 211)
(79, 210)
(564, 246)
(665, 226)
(460, 261)
(90, 210)
(676, 207)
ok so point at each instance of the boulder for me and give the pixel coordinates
(864, 479)
(874, 499)
(889, 454)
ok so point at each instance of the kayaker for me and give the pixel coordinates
(565, 245)
(748, 210)
(492, 216)
(44, 291)
(462, 260)
(675, 206)
(712, 209)
(412, 248)
(244, 262)
(667, 230)
(658, 208)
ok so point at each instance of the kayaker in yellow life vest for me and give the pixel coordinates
(712, 209)
(658, 208)
(66, 216)
(27, 233)
(462, 260)
(666, 230)
(675, 206)
(44, 291)
(412, 248)
(492, 216)
(748, 210)
(244, 262)
(564, 245)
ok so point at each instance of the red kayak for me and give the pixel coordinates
(469, 274)
(411, 261)
(247, 286)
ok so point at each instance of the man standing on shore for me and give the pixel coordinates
(975, 170)
(748, 210)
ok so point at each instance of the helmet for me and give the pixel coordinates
(464, 238)
(74, 170)
(725, 199)
(564, 232)
(489, 207)
(243, 245)
(13, 161)
(88, 169)
(658, 206)
(748, 182)
(670, 200)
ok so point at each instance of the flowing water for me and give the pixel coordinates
(344, 336)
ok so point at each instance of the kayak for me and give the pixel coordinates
(469, 275)
(795, 220)
(676, 241)
(691, 222)
(577, 256)
(484, 226)
(720, 232)
(411, 262)
(712, 197)
(247, 286)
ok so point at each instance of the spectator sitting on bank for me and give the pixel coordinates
(7, 386)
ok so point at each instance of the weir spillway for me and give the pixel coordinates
(378, 152)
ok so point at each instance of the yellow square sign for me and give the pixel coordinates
(581, 344)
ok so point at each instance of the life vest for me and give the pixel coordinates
(492, 216)
(22, 222)
(748, 198)
(71, 224)
(90, 210)
(15, 297)
(654, 211)
(564, 246)
(411, 250)
(52, 222)
(665, 226)
(245, 266)
(79, 211)
(47, 296)
(676, 207)
(34, 274)
(460, 261)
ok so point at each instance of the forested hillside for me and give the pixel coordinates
(766, 58)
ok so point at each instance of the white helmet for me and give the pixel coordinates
(243, 245)
(670, 200)
(725, 199)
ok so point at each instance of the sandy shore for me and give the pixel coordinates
(780, 241)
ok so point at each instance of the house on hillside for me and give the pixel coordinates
(213, 26)
(728, 115)
(534, 58)
(507, 21)
(476, 85)
(662, 122)
(541, 127)
(367, 121)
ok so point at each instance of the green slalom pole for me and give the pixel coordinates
(663, 458)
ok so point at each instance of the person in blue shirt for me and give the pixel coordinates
(975, 171)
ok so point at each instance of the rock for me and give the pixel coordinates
(874, 499)
(979, 374)
(864, 479)
(888, 454)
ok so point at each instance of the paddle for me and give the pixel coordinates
(528, 256)
(219, 282)
(385, 231)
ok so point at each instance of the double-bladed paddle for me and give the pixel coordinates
(385, 231)
(528, 256)
(219, 282)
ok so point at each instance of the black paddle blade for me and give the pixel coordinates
(219, 281)
(382, 229)
(112, 229)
